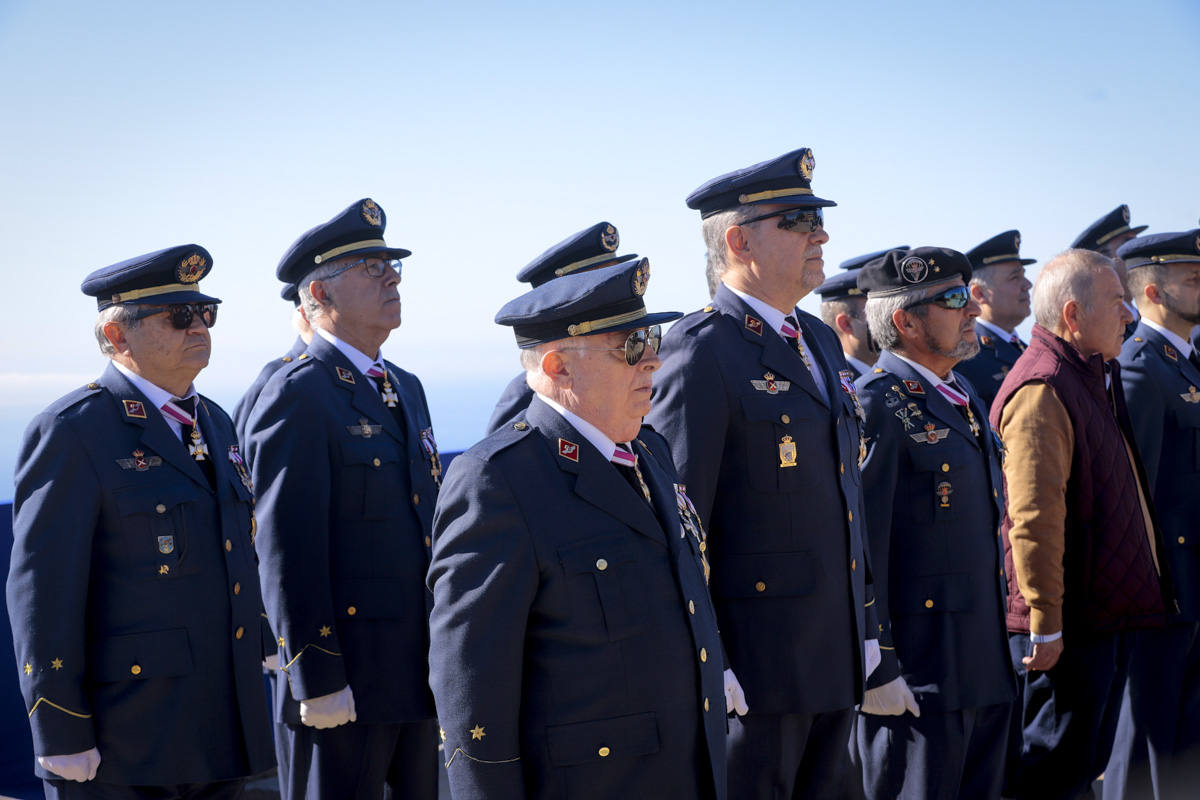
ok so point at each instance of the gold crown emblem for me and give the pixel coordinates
(641, 277)
(1017, 242)
(609, 238)
(372, 213)
(191, 269)
(806, 164)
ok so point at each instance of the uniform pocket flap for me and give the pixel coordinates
(932, 594)
(767, 408)
(930, 457)
(767, 574)
(372, 598)
(594, 555)
(597, 740)
(138, 656)
(153, 500)
(368, 450)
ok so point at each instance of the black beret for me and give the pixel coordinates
(903, 270)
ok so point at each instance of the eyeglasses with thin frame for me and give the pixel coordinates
(635, 344)
(954, 298)
(181, 315)
(374, 266)
(801, 220)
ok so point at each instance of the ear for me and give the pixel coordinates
(116, 336)
(906, 323)
(736, 243)
(978, 293)
(1152, 293)
(318, 291)
(557, 367)
(843, 323)
(1071, 313)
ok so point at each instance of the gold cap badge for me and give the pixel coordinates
(372, 214)
(191, 269)
(609, 238)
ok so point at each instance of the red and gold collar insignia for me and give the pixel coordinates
(754, 325)
(568, 450)
(914, 387)
(345, 374)
(134, 408)
(1171, 352)
(985, 340)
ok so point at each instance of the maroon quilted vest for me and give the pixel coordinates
(1110, 580)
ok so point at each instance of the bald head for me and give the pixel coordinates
(1079, 297)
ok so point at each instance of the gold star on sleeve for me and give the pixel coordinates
(477, 732)
(56, 664)
(325, 631)
(28, 669)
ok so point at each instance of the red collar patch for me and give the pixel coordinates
(754, 325)
(914, 387)
(568, 450)
(134, 408)
(345, 374)
(1171, 352)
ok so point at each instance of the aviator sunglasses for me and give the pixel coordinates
(635, 344)
(809, 218)
(955, 297)
(182, 314)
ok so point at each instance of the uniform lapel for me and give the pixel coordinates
(1187, 370)
(155, 434)
(362, 394)
(775, 355)
(936, 405)
(221, 465)
(596, 478)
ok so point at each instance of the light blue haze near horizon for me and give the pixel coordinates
(490, 131)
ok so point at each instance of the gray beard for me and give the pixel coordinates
(960, 352)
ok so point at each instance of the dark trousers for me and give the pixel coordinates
(91, 790)
(1068, 715)
(392, 760)
(774, 756)
(1157, 749)
(943, 755)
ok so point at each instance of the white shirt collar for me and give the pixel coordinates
(360, 360)
(862, 366)
(922, 370)
(996, 329)
(1180, 344)
(772, 316)
(157, 395)
(589, 431)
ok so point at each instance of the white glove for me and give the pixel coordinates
(735, 698)
(75, 767)
(329, 710)
(271, 662)
(871, 656)
(892, 699)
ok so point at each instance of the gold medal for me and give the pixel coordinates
(787, 452)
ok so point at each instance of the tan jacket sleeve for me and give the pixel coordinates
(1037, 433)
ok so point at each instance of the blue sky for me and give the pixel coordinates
(489, 131)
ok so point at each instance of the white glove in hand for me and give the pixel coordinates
(735, 698)
(892, 699)
(871, 656)
(329, 710)
(75, 767)
(271, 662)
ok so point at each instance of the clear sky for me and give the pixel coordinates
(489, 131)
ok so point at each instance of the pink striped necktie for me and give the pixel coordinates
(184, 412)
(388, 394)
(955, 395)
(624, 457)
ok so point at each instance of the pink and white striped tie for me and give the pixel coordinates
(952, 393)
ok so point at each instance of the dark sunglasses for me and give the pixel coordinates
(955, 297)
(811, 218)
(182, 314)
(374, 266)
(635, 344)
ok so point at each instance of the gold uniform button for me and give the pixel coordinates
(603, 752)
(352, 611)
(375, 462)
(703, 655)
(995, 493)
(135, 670)
(601, 564)
(416, 499)
(160, 508)
(929, 604)
(237, 588)
(691, 607)
(850, 516)
(228, 545)
(853, 564)
(1182, 539)
(428, 542)
(842, 468)
(239, 633)
(785, 419)
(760, 587)
(706, 704)
(945, 467)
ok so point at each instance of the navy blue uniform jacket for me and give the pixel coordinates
(987, 369)
(133, 593)
(574, 650)
(789, 581)
(512, 402)
(241, 412)
(936, 500)
(1162, 392)
(345, 503)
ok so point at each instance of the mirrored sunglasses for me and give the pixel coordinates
(956, 297)
(801, 220)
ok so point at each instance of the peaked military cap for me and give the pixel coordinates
(584, 304)
(159, 278)
(357, 230)
(857, 262)
(1161, 248)
(1001, 247)
(1114, 223)
(290, 292)
(841, 285)
(902, 270)
(786, 180)
(590, 248)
